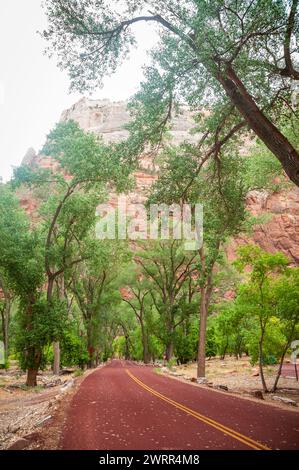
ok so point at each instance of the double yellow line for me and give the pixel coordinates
(220, 427)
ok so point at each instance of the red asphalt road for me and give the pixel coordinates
(113, 411)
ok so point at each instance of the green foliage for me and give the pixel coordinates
(95, 285)
(209, 54)
(47, 323)
(84, 165)
(186, 341)
(156, 347)
(119, 346)
(6, 365)
(262, 169)
(171, 363)
(74, 350)
(167, 269)
(211, 342)
(90, 161)
(21, 249)
(273, 342)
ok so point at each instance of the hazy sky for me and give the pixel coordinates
(33, 91)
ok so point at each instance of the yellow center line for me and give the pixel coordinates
(220, 427)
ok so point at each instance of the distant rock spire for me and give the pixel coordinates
(29, 157)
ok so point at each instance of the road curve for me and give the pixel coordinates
(126, 407)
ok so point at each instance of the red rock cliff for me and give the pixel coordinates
(105, 118)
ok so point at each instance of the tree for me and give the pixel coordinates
(258, 294)
(232, 324)
(35, 258)
(136, 298)
(124, 343)
(235, 60)
(95, 285)
(21, 262)
(186, 339)
(224, 330)
(287, 310)
(6, 302)
(84, 167)
(168, 268)
(223, 198)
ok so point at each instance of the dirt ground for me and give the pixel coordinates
(25, 412)
(240, 377)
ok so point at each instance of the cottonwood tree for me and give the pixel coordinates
(95, 285)
(6, 302)
(235, 60)
(221, 188)
(270, 296)
(123, 343)
(231, 326)
(287, 311)
(168, 268)
(137, 296)
(85, 166)
(21, 257)
(258, 294)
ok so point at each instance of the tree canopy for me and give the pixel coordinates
(233, 62)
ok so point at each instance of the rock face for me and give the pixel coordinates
(29, 157)
(108, 119)
(280, 232)
(105, 118)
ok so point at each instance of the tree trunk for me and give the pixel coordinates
(170, 331)
(127, 348)
(5, 321)
(224, 351)
(34, 358)
(50, 288)
(33, 355)
(90, 347)
(146, 357)
(265, 388)
(169, 350)
(274, 388)
(97, 360)
(31, 377)
(5, 331)
(91, 363)
(56, 345)
(56, 364)
(282, 358)
(201, 358)
(276, 142)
